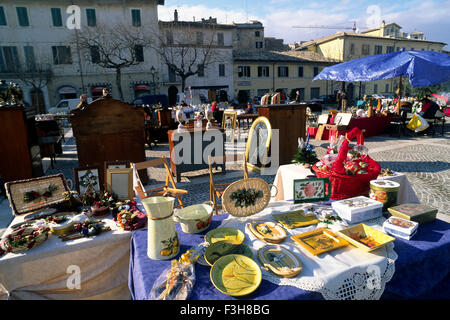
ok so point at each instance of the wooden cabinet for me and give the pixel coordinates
(290, 121)
(21, 158)
(109, 130)
(190, 148)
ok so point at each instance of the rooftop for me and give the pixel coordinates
(276, 56)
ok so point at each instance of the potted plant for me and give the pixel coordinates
(305, 154)
(102, 203)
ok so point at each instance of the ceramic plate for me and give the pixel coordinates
(232, 235)
(236, 275)
(280, 261)
(223, 248)
(267, 231)
(365, 237)
(295, 219)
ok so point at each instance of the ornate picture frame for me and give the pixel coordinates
(85, 175)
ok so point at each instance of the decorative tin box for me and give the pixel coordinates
(401, 228)
(384, 191)
(414, 212)
(358, 209)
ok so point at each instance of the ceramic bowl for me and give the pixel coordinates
(195, 218)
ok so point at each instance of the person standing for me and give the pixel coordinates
(343, 100)
(83, 102)
(339, 99)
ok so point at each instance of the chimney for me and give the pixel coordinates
(175, 16)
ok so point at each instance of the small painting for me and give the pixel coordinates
(312, 190)
(87, 178)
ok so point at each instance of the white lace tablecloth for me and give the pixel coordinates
(345, 273)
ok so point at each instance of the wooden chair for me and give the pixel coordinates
(216, 190)
(169, 188)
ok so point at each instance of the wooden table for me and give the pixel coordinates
(190, 148)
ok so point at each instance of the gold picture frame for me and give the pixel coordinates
(120, 182)
(233, 115)
(259, 123)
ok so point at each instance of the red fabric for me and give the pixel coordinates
(313, 131)
(426, 106)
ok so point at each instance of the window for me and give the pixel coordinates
(139, 52)
(398, 48)
(365, 49)
(2, 17)
(257, 33)
(136, 17)
(387, 87)
(363, 89)
(201, 70)
(220, 41)
(22, 16)
(9, 59)
(62, 55)
(315, 71)
(283, 72)
(29, 58)
(389, 49)
(375, 88)
(261, 92)
(378, 49)
(172, 75)
(412, 48)
(315, 93)
(91, 18)
(56, 17)
(169, 36)
(352, 48)
(300, 72)
(263, 71)
(243, 71)
(199, 38)
(221, 70)
(95, 54)
(259, 44)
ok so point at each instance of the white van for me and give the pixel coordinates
(64, 106)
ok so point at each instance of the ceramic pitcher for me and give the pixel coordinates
(162, 243)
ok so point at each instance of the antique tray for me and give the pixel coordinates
(267, 231)
(222, 248)
(236, 275)
(365, 237)
(319, 241)
(235, 195)
(232, 235)
(279, 261)
(35, 194)
(295, 219)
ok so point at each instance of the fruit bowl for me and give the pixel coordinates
(195, 218)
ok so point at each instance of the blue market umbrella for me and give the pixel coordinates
(422, 68)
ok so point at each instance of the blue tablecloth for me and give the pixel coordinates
(422, 270)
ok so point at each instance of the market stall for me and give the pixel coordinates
(422, 266)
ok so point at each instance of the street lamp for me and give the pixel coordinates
(153, 71)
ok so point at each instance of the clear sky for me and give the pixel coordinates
(279, 16)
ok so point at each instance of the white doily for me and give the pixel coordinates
(342, 274)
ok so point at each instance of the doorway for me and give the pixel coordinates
(172, 95)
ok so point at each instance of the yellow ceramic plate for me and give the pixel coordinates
(223, 248)
(280, 261)
(319, 241)
(365, 237)
(236, 275)
(228, 234)
(267, 231)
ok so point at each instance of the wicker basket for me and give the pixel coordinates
(256, 184)
(348, 186)
(37, 234)
(16, 191)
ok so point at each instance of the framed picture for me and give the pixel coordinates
(342, 119)
(35, 194)
(120, 182)
(86, 176)
(123, 164)
(322, 119)
(312, 190)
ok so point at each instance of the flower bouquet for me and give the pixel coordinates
(102, 204)
(129, 217)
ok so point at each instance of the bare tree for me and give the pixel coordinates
(185, 51)
(115, 47)
(36, 75)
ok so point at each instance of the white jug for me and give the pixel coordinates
(162, 242)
